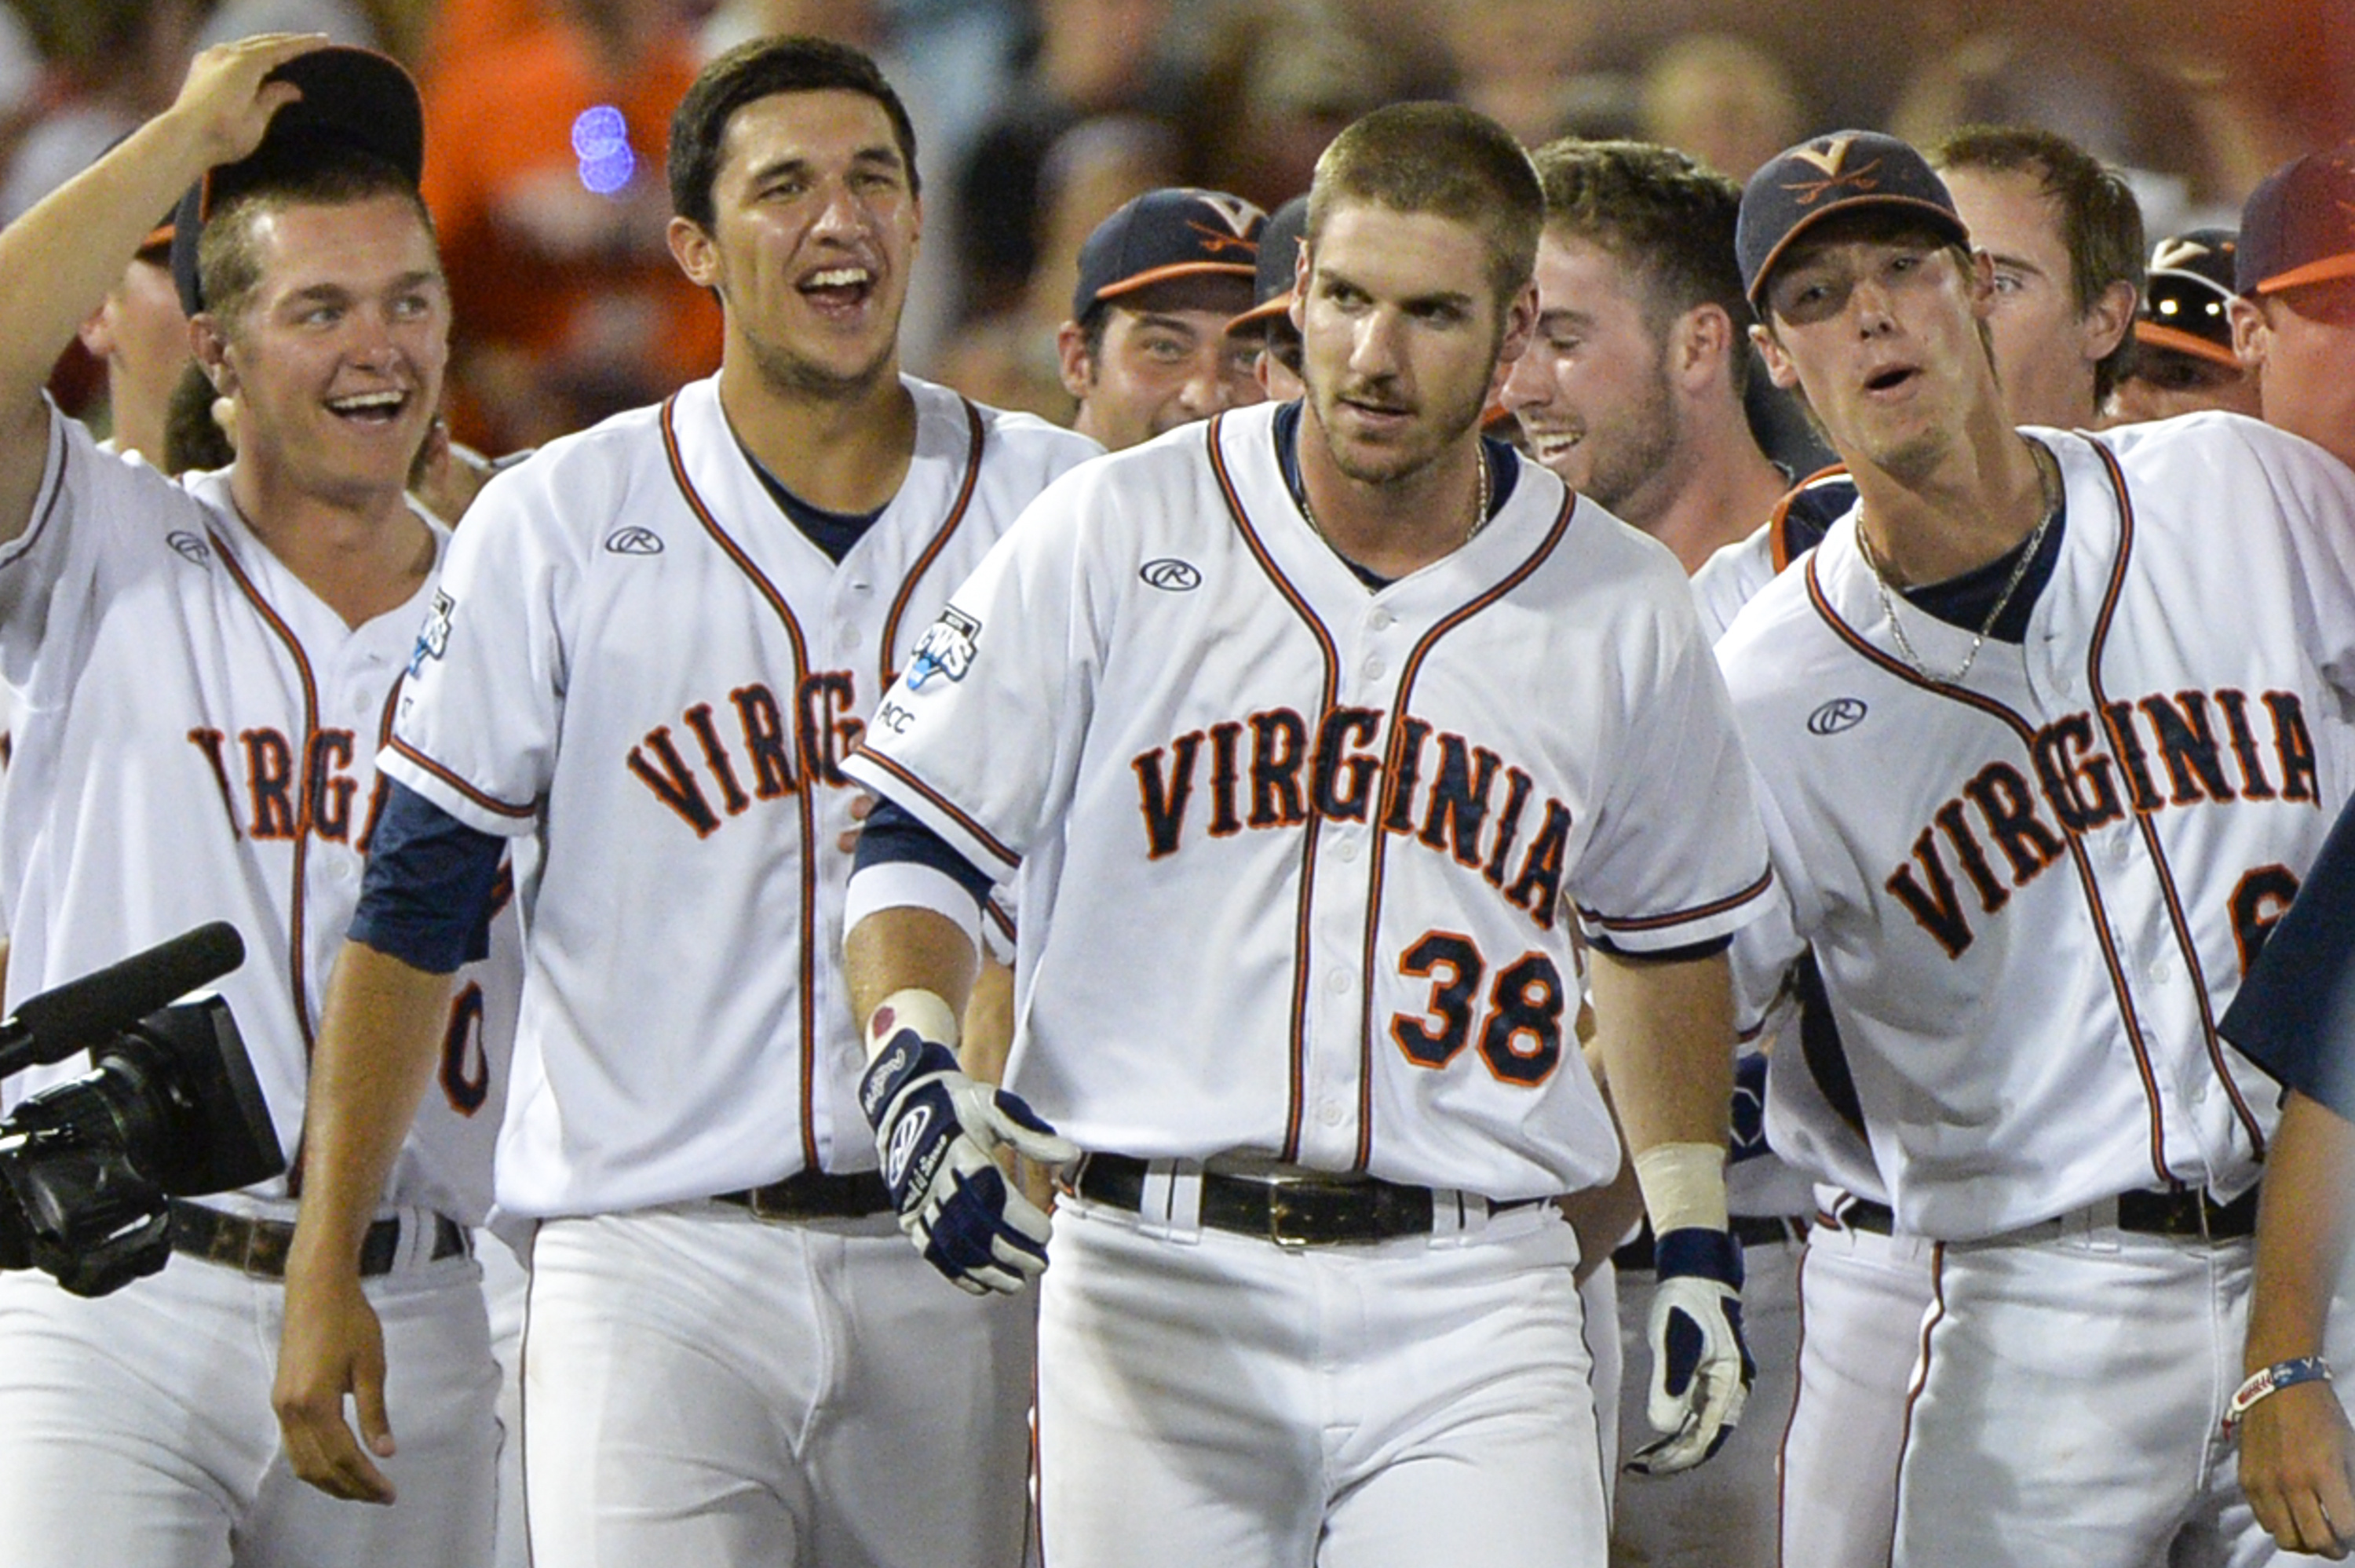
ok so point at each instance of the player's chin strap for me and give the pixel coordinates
(2267, 1382)
(1701, 1371)
(938, 1132)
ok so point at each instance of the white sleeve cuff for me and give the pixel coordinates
(906, 885)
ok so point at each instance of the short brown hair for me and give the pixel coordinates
(1445, 160)
(228, 263)
(760, 69)
(2100, 222)
(1661, 214)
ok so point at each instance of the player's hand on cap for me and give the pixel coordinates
(1701, 1371)
(225, 103)
(333, 1345)
(2298, 1465)
(939, 1132)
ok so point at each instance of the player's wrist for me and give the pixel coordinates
(913, 1007)
(2267, 1380)
(1683, 1186)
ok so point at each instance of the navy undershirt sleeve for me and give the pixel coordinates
(2295, 1015)
(426, 899)
(893, 835)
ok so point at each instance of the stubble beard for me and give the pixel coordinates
(799, 377)
(1448, 426)
(1651, 434)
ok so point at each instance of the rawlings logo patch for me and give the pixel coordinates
(433, 639)
(634, 541)
(946, 648)
(1171, 575)
(190, 546)
(1839, 714)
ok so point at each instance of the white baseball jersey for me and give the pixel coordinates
(2032, 894)
(197, 743)
(1326, 843)
(710, 1048)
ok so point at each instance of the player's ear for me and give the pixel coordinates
(1078, 371)
(1779, 368)
(1521, 323)
(208, 346)
(2107, 320)
(1701, 343)
(1979, 277)
(2250, 333)
(692, 248)
(97, 330)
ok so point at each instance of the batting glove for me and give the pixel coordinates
(938, 1132)
(1701, 1371)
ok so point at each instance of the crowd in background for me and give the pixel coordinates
(546, 123)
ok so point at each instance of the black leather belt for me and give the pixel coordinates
(2190, 1211)
(1862, 1214)
(258, 1247)
(1750, 1230)
(1305, 1210)
(816, 1195)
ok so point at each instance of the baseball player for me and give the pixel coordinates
(2294, 322)
(1343, 717)
(1148, 348)
(207, 669)
(2183, 359)
(656, 644)
(1276, 365)
(140, 336)
(2298, 1451)
(1631, 391)
(1991, 669)
(2065, 238)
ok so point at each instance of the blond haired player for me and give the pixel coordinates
(208, 670)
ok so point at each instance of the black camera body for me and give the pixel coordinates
(170, 1109)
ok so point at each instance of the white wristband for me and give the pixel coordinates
(924, 1011)
(1683, 1186)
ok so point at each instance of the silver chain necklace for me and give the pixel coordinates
(1479, 513)
(2018, 571)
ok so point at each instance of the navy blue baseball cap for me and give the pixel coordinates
(353, 99)
(1177, 231)
(2187, 302)
(2298, 226)
(1847, 171)
(1279, 256)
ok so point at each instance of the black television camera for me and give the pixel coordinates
(89, 1168)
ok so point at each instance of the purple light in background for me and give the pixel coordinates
(601, 139)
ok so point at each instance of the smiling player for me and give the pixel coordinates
(657, 642)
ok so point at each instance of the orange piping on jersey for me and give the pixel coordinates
(946, 807)
(1307, 903)
(2177, 920)
(1778, 543)
(915, 574)
(2087, 885)
(803, 799)
(491, 803)
(295, 960)
(1378, 861)
(1681, 917)
(998, 918)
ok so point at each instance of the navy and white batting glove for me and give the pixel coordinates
(1701, 1371)
(938, 1132)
